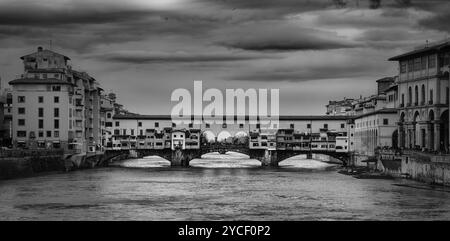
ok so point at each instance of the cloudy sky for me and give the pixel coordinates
(312, 50)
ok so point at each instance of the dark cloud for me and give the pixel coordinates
(440, 20)
(141, 57)
(280, 37)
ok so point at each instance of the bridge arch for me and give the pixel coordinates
(224, 136)
(343, 157)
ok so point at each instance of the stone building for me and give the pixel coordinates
(423, 89)
(54, 106)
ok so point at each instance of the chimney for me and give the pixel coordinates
(40, 49)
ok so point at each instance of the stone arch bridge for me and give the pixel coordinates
(180, 157)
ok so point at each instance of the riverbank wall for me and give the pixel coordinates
(416, 165)
(29, 164)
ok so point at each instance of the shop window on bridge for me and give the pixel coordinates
(342, 125)
(264, 144)
(258, 126)
(156, 124)
(308, 126)
(292, 126)
(325, 126)
(191, 125)
(139, 124)
(255, 144)
(21, 134)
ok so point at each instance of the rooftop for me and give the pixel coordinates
(39, 81)
(284, 117)
(429, 48)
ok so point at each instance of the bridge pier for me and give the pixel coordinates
(270, 158)
(181, 158)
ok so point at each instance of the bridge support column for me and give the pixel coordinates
(270, 158)
(181, 158)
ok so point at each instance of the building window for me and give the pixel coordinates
(410, 65)
(108, 115)
(156, 124)
(132, 132)
(416, 93)
(40, 134)
(21, 111)
(258, 126)
(410, 95)
(174, 125)
(21, 99)
(139, 124)
(56, 124)
(292, 126)
(417, 64)
(325, 126)
(431, 96)
(241, 126)
(207, 125)
(224, 125)
(403, 67)
(342, 125)
(308, 126)
(116, 132)
(124, 132)
(41, 99)
(41, 112)
(49, 133)
(141, 132)
(117, 123)
(21, 122)
(431, 61)
(56, 134)
(21, 134)
(56, 112)
(403, 100)
(56, 88)
(424, 62)
(56, 99)
(191, 125)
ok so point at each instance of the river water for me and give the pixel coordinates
(218, 187)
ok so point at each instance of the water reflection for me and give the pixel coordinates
(217, 187)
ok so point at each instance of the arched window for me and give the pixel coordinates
(403, 100)
(416, 95)
(423, 95)
(431, 97)
(409, 96)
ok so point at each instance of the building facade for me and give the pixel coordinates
(423, 89)
(54, 106)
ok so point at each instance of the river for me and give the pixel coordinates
(217, 187)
